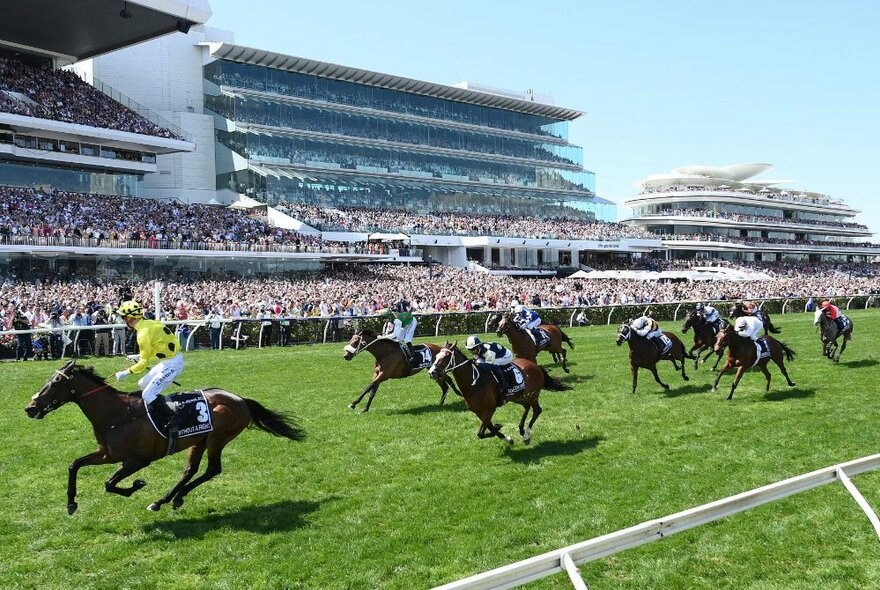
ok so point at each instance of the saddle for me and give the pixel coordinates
(542, 337)
(663, 343)
(193, 415)
(516, 382)
(762, 347)
(844, 324)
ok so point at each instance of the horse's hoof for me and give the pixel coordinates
(714, 390)
(71, 508)
(177, 503)
(665, 386)
(508, 440)
(138, 484)
(791, 384)
(154, 507)
(350, 406)
(686, 378)
(566, 369)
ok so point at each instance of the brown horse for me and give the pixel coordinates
(390, 363)
(738, 310)
(524, 346)
(704, 337)
(124, 432)
(643, 354)
(829, 332)
(741, 353)
(481, 393)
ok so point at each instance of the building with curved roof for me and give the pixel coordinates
(725, 212)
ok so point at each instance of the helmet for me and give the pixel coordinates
(826, 304)
(741, 324)
(131, 309)
(385, 313)
(472, 342)
(518, 309)
(699, 307)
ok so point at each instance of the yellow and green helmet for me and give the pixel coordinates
(131, 309)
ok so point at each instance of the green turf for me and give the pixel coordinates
(406, 496)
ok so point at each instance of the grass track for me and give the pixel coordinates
(406, 496)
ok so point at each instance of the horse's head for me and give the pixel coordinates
(623, 334)
(358, 342)
(737, 310)
(690, 320)
(504, 322)
(444, 361)
(57, 391)
(723, 337)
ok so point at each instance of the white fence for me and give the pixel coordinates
(567, 558)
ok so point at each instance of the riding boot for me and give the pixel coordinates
(502, 385)
(658, 342)
(411, 351)
(168, 411)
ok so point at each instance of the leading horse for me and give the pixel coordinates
(704, 337)
(742, 354)
(644, 354)
(125, 434)
(390, 363)
(738, 310)
(829, 332)
(481, 393)
(524, 346)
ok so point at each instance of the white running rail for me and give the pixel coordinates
(567, 558)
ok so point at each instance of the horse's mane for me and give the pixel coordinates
(369, 333)
(89, 372)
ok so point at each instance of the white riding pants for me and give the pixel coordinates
(160, 377)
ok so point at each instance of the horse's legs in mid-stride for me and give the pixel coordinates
(494, 429)
(657, 377)
(763, 367)
(739, 374)
(779, 362)
(724, 369)
(96, 458)
(372, 388)
(683, 363)
(444, 389)
(526, 431)
(564, 354)
(635, 371)
(709, 352)
(215, 450)
(129, 465)
(720, 354)
(842, 348)
(192, 467)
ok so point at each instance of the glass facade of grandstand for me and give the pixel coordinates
(335, 143)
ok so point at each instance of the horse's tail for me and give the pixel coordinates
(566, 339)
(553, 384)
(276, 423)
(789, 353)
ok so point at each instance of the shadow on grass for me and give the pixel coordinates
(279, 517)
(569, 378)
(453, 404)
(550, 448)
(788, 393)
(861, 363)
(688, 389)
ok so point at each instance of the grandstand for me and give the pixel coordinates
(723, 212)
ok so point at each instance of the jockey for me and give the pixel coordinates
(492, 356)
(404, 328)
(748, 327)
(833, 313)
(649, 328)
(526, 319)
(710, 315)
(155, 341)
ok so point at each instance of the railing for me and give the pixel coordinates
(146, 113)
(567, 558)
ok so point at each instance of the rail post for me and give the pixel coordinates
(675, 315)
(437, 325)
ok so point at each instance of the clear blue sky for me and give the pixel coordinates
(662, 84)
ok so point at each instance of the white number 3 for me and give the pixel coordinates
(202, 407)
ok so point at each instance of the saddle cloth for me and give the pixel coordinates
(667, 344)
(847, 323)
(422, 357)
(542, 337)
(193, 415)
(515, 379)
(762, 347)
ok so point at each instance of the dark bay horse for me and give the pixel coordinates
(524, 347)
(390, 363)
(704, 337)
(124, 432)
(829, 332)
(741, 353)
(481, 396)
(644, 354)
(738, 310)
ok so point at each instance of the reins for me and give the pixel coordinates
(361, 346)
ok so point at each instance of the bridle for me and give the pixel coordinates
(361, 346)
(450, 363)
(74, 396)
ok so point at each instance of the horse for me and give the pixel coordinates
(704, 337)
(524, 346)
(644, 354)
(125, 435)
(481, 396)
(741, 353)
(738, 310)
(390, 363)
(829, 332)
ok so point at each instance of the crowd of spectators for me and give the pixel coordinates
(754, 218)
(62, 96)
(755, 241)
(779, 195)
